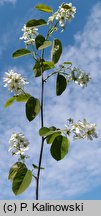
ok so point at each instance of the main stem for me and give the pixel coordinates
(42, 124)
(42, 142)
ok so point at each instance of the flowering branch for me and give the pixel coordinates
(35, 45)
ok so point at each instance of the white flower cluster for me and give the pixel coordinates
(65, 12)
(14, 81)
(29, 34)
(19, 144)
(82, 129)
(79, 77)
(75, 74)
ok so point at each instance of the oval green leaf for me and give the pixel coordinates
(48, 65)
(44, 8)
(34, 22)
(45, 66)
(21, 52)
(56, 50)
(14, 169)
(9, 101)
(37, 69)
(61, 84)
(23, 97)
(21, 181)
(45, 45)
(52, 137)
(32, 108)
(43, 131)
(59, 147)
(39, 40)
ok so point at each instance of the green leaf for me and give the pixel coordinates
(61, 84)
(18, 98)
(59, 147)
(45, 45)
(14, 169)
(48, 65)
(21, 52)
(21, 181)
(36, 167)
(41, 66)
(34, 22)
(43, 131)
(32, 108)
(44, 8)
(23, 97)
(9, 101)
(37, 68)
(39, 40)
(50, 138)
(70, 63)
(56, 50)
(66, 6)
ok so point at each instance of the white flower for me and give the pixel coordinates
(29, 34)
(19, 144)
(79, 77)
(84, 129)
(14, 81)
(65, 12)
(81, 129)
(51, 18)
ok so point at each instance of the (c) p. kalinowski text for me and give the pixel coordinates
(59, 207)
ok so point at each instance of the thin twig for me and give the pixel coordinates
(56, 72)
